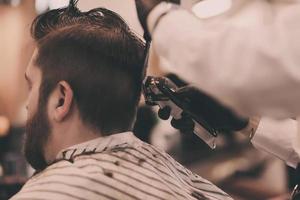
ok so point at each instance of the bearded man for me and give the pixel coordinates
(85, 82)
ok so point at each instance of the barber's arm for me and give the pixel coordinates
(247, 58)
(277, 137)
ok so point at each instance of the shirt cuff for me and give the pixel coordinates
(276, 137)
(158, 12)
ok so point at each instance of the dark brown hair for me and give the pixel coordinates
(101, 59)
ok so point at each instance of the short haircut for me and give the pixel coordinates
(101, 59)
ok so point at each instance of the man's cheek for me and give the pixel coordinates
(31, 107)
(29, 113)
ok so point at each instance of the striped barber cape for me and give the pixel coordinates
(121, 167)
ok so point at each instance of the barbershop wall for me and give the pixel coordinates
(15, 52)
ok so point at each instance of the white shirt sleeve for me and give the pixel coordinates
(277, 138)
(248, 57)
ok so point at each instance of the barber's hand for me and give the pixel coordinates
(144, 7)
(216, 115)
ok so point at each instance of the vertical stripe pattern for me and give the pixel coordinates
(117, 167)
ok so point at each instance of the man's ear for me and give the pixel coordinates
(61, 102)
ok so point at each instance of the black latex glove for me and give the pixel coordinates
(144, 7)
(216, 115)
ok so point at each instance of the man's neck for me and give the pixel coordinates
(66, 136)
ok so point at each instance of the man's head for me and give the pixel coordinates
(88, 70)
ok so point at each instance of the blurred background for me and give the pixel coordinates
(235, 165)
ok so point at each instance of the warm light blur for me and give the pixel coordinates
(205, 9)
(4, 126)
(15, 52)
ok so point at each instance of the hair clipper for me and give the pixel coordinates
(162, 92)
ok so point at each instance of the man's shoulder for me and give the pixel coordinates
(103, 168)
(84, 178)
(125, 172)
(62, 172)
(55, 182)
